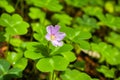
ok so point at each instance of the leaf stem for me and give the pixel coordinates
(22, 7)
(16, 5)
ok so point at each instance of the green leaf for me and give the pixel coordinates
(49, 4)
(1, 77)
(32, 45)
(39, 32)
(4, 66)
(114, 39)
(77, 3)
(14, 24)
(86, 23)
(58, 18)
(83, 44)
(70, 32)
(36, 50)
(53, 63)
(64, 48)
(32, 55)
(108, 53)
(15, 71)
(13, 57)
(16, 42)
(109, 6)
(92, 10)
(74, 75)
(76, 33)
(82, 35)
(70, 56)
(22, 61)
(8, 7)
(110, 20)
(80, 65)
(106, 71)
(45, 65)
(112, 56)
(60, 63)
(36, 13)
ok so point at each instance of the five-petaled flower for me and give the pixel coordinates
(54, 35)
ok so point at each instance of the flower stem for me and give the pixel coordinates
(52, 75)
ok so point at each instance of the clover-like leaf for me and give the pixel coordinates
(7, 6)
(74, 75)
(35, 50)
(110, 20)
(106, 71)
(86, 23)
(92, 10)
(45, 65)
(49, 4)
(36, 13)
(58, 18)
(22, 61)
(114, 39)
(15, 71)
(59, 50)
(70, 56)
(39, 32)
(14, 24)
(13, 57)
(77, 3)
(52, 63)
(4, 66)
(16, 59)
(76, 33)
(32, 55)
(108, 53)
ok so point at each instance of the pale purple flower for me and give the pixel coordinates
(54, 35)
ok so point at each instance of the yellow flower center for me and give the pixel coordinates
(52, 37)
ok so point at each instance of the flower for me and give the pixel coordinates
(54, 35)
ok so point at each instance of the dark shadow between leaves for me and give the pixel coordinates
(44, 50)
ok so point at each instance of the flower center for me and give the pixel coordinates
(52, 37)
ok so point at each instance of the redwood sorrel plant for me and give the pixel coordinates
(59, 40)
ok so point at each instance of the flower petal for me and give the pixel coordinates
(49, 29)
(56, 29)
(57, 43)
(48, 37)
(59, 36)
(53, 30)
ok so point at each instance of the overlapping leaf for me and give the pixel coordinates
(14, 24)
(49, 4)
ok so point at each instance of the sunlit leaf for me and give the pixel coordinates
(49, 4)
(77, 3)
(7, 6)
(53, 63)
(74, 75)
(59, 18)
(70, 56)
(106, 71)
(14, 24)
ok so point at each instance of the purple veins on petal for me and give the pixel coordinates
(54, 35)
